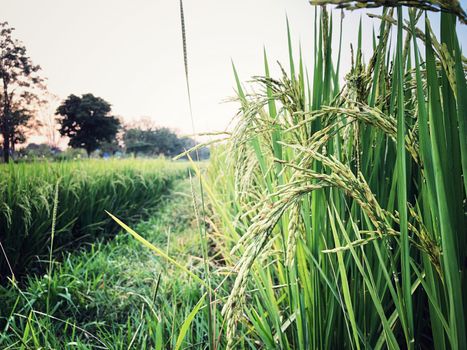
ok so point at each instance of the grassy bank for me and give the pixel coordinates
(82, 191)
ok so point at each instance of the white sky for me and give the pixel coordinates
(130, 52)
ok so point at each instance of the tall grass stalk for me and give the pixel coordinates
(51, 249)
(200, 214)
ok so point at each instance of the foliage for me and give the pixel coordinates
(71, 154)
(20, 120)
(108, 149)
(452, 6)
(86, 121)
(33, 151)
(118, 295)
(340, 210)
(131, 189)
(20, 92)
(156, 141)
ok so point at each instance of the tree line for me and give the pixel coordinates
(85, 120)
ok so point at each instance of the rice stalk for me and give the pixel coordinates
(349, 183)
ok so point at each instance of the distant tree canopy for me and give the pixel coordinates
(86, 121)
(21, 87)
(35, 150)
(156, 141)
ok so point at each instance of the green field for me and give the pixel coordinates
(332, 216)
(80, 192)
(113, 294)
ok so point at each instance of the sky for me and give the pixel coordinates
(130, 52)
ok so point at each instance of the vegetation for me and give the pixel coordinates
(332, 216)
(34, 150)
(19, 93)
(340, 210)
(84, 191)
(155, 141)
(116, 295)
(86, 121)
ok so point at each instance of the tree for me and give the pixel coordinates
(20, 122)
(86, 121)
(109, 148)
(136, 141)
(156, 141)
(152, 141)
(43, 150)
(19, 79)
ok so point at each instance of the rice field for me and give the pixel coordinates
(71, 198)
(332, 216)
(114, 294)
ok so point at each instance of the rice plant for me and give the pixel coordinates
(339, 210)
(86, 189)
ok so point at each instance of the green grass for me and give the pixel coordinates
(129, 188)
(115, 294)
